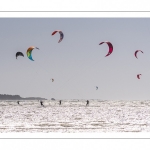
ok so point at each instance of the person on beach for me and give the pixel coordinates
(18, 102)
(60, 102)
(87, 103)
(41, 103)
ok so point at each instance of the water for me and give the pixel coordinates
(73, 116)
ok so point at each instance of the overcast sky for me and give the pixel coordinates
(77, 64)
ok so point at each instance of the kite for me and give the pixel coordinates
(61, 35)
(138, 76)
(110, 47)
(29, 52)
(137, 52)
(19, 54)
(52, 80)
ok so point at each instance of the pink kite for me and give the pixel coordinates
(138, 76)
(137, 52)
(110, 47)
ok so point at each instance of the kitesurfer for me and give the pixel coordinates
(87, 103)
(60, 102)
(41, 103)
(18, 102)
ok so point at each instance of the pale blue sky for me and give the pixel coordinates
(78, 63)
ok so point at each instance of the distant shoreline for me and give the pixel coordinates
(18, 97)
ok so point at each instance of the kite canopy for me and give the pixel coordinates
(138, 76)
(110, 47)
(29, 52)
(137, 52)
(52, 80)
(61, 35)
(19, 54)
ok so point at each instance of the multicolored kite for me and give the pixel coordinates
(29, 52)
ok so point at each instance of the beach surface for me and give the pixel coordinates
(73, 116)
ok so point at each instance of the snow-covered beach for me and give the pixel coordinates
(74, 116)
